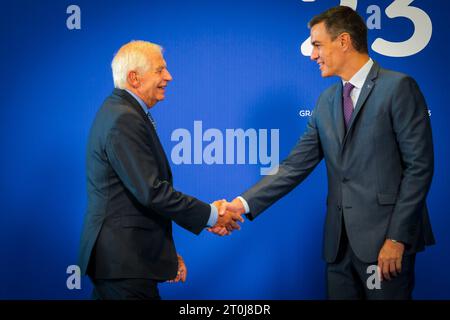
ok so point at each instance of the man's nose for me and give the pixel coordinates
(167, 76)
(314, 56)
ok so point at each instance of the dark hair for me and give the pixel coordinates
(344, 19)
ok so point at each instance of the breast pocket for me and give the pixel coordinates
(372, 119)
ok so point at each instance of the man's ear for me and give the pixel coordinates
(345, 41)
(133, 79)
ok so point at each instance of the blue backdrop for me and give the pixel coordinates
(235, 64)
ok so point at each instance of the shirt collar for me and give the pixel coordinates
(140, 101)
(359, 78)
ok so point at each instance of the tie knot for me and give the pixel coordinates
(348, 87)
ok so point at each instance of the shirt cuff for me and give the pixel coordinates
(245, 204)
(212, 216)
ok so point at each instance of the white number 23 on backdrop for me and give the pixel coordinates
(423, 29)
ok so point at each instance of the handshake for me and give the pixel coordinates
(229, 215)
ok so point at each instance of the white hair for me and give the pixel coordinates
(133, 56)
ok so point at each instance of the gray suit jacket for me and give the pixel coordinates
(379, 171)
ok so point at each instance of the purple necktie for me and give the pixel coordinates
(347, 103)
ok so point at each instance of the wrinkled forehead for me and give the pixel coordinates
(156, 59)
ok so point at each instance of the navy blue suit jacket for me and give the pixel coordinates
(127, 230)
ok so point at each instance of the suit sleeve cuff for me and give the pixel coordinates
(245, 204)
(212, 216)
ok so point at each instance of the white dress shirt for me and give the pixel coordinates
(358, 80)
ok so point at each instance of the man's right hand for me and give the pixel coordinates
(229, 214)
(236, 206)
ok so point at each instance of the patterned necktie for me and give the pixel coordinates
(151, 119)
(347, 104)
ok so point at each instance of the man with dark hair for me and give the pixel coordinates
(342, 19)
(373, 130)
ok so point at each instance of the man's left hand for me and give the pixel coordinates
(182, 271)
(390, 259)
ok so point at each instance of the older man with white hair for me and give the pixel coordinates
(127, 245)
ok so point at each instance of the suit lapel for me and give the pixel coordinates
(153, 135)
(365, 92)
(336, 102)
